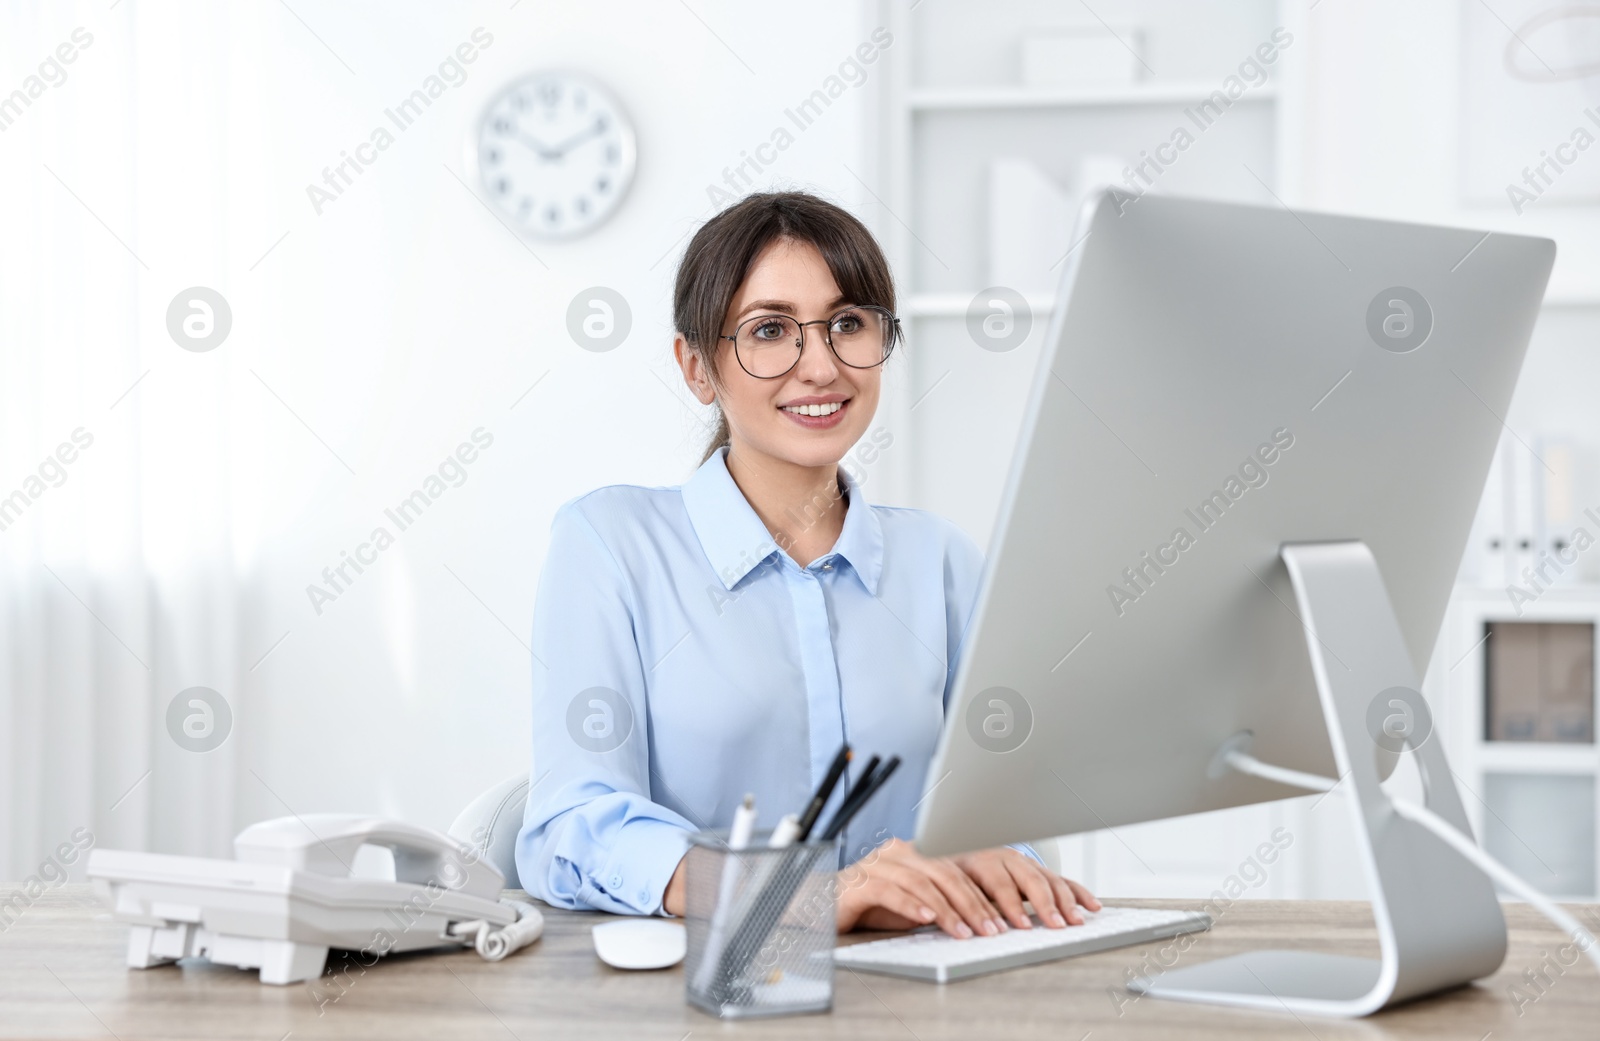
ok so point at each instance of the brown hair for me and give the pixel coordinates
(721, 252)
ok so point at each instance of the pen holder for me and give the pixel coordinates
(761, 927)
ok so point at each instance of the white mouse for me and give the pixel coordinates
(640, 943)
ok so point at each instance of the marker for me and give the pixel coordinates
(744, 822)
(785, 834)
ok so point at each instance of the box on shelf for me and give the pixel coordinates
(1539, 682)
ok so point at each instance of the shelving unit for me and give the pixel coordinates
(1533, 803)
(1178, 92)
(937, 139)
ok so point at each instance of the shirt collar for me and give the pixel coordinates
(735, 540)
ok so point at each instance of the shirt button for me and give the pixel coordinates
(616, 881)
(644, 898)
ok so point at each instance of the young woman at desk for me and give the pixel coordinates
(699, 642)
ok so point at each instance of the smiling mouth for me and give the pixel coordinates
(813, 410)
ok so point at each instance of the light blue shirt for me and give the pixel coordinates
(682, 660)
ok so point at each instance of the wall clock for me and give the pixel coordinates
(555, 154)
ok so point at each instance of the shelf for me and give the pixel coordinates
(1182, 92)
(1492, 600)
(954, 305)
(1537, 757)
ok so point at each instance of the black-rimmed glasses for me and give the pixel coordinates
(769, 345)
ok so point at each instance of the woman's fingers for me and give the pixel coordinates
(914, 879)
(1086, 898)
(890, 899)
(994, 878)
(884, 918)
(1054, 908)
(965, 896)
(977, 894)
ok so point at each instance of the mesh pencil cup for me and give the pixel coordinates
(761, 926)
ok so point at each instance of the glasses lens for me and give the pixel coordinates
(860, 336)
(768, 345)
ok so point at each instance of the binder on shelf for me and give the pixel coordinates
(1525, 481)
(1539, 686)
(1485, 561)
(1568, 480)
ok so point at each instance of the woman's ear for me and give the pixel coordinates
(696, 373)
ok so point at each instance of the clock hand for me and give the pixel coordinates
(566, 146)
(543, 151)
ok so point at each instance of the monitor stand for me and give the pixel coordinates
(1439, 921)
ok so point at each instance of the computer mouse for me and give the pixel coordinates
(640, 943)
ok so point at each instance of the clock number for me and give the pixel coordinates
(502, 126)
(552, 215)
(581, 204)
(601, 184)
(612, 154)
(549, 93)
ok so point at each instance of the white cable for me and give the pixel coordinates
(1249, 764)
(1462, 844)
(495, 943)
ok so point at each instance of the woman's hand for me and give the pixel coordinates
(1009, 876)
(895, 887)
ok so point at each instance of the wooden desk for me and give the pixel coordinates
(62, 975)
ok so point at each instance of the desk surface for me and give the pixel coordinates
(62, 975)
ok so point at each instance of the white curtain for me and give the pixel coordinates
(120, 564)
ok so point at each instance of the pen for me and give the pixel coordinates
(855, 790)
(871, 785)
(747, 940)
(808, 819)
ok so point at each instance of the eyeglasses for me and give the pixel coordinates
(769, 345)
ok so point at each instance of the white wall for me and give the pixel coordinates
(404, 318)
(368, 341)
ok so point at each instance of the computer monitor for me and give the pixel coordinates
(1218, 385)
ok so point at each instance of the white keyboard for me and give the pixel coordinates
(931, 954)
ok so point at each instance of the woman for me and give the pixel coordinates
(699, 642)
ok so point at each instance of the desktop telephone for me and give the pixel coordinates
(289, 896)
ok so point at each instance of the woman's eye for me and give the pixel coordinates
(769, 330)
(847, 324)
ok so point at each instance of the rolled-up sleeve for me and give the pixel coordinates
(592, 837)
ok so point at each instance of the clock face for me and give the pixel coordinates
(555, 154)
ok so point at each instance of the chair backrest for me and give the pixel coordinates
(490, 823)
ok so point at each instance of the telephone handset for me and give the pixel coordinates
(326, 843)
(289, 896)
